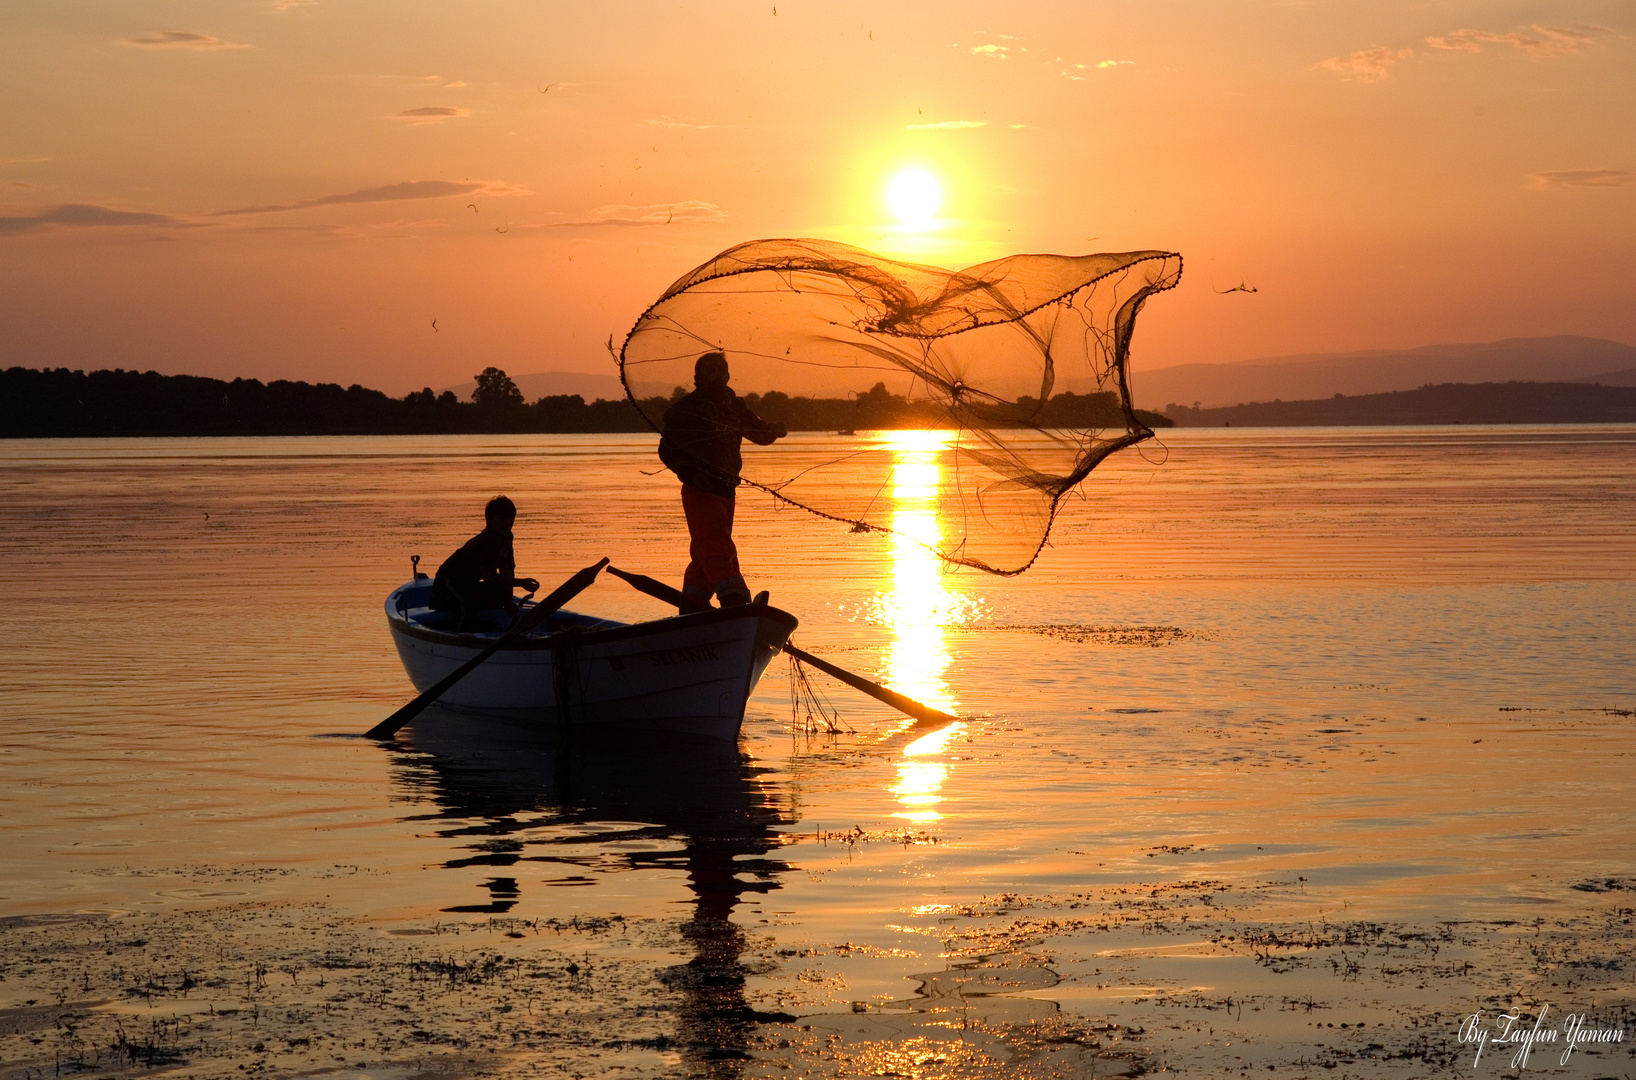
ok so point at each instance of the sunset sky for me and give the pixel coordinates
(299, 188)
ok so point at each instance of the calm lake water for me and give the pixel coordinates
(1363, 675)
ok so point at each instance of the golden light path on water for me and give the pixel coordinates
(917, 608)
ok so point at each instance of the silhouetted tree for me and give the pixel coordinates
(496, 391)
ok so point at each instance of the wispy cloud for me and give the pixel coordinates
(994, 52)
(430, 114)
(82, 215)
(181, 39)
(1106, 64)
(1599, 178)
(1367, 65)
(949, 125)
(670, 124)
(287, 5)
(1541, 42)
(687, 212)
(409, 189)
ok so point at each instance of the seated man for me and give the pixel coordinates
(480, 576)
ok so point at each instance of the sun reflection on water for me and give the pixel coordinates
(917, 608)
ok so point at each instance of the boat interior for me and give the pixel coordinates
(411, 602)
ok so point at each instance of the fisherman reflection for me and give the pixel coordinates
(519, 797)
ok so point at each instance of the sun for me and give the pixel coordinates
(914, 196)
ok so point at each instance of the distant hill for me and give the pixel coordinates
(1449, 403)
(1376, 371)
(553, 383)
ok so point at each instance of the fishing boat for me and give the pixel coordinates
(689, 673)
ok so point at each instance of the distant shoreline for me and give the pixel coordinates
(1447, 403)
(125, 404)
(60, 403)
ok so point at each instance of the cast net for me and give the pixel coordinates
(956, 408)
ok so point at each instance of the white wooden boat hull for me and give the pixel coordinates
(690, 673)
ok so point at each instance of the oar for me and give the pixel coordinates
(523, 624)
(907, 706)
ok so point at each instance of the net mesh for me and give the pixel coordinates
(965, 404)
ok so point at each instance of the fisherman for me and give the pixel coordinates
(700, 442)
(481, 575)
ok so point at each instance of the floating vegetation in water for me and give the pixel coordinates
(1086, 634)
(858, 835)
(287, 989)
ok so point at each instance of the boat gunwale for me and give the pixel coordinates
(401, 624)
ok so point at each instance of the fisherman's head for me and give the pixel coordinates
(710, 370)
(500, 511)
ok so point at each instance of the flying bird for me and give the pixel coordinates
(472, 207)
(503, 228)
(1240, 287)
(434, 324)
(550, 88)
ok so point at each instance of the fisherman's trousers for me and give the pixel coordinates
(714, 569)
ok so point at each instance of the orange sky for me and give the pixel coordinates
(298, 188)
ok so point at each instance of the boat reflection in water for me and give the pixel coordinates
(917, 608)
(528, 801)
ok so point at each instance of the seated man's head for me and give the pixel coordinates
(500, 511)
(710, 370)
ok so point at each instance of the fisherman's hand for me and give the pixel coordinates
(780, 429)
(528, 584)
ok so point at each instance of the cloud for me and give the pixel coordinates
(668, 124)
(409, 189)
(1105, 64)
(1542, 42)
(181, 39)
(282, 6)
(81, 215)
(1602, 178)
(687, 212)
(1367, 65)
(949, 125)
(430, 114)
(996, 52)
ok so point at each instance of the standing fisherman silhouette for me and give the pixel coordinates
(482, 573)
(700, 439)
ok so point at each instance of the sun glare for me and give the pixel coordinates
(914, 196)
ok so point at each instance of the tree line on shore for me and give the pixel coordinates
(57, 403)
(1443, 403)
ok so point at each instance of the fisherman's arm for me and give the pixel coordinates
(759, 431)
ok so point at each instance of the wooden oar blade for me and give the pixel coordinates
(524, 623)
(652, 586)
(905, 705)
